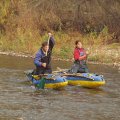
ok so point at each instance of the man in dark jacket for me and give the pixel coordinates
(42, 59)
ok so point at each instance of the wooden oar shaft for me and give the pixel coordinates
(41, 75)
(77, 75)
(71, 75)
(48, 45)
(49, 78)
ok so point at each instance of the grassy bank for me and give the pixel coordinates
(23, 24)
(98, 47)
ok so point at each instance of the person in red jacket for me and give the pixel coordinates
(80, 58)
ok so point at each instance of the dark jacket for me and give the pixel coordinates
(42, 58)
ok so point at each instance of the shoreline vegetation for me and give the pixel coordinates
(98, 47)
(24, 25)
(116, 65)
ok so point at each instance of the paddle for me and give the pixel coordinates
(78, 75)
(41, 85)
(37, 77)
(71, 74)
(49, 34)
(60, 70)
(41, 80)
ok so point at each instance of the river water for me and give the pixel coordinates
(20, 101)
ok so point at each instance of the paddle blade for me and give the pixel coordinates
(41, 85)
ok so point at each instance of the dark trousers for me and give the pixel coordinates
(42, 70)
(79, 67)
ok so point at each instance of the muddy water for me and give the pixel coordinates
(20, 101)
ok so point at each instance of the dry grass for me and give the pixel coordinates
(30, 42)
(25, 30)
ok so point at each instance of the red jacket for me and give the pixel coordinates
(80, 54)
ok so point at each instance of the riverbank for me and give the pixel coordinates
(23, 32)
(100, 49)
(57, 59)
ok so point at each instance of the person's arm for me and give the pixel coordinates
(51, 41)
(37, 59)
(76, 54)
(84, 56)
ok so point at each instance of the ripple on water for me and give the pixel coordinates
(19, 101)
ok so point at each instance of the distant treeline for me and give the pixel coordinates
(84, 16)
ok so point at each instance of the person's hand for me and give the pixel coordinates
(49, 34)
(44, 65)
(82, 57)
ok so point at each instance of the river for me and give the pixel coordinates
(20, 101)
